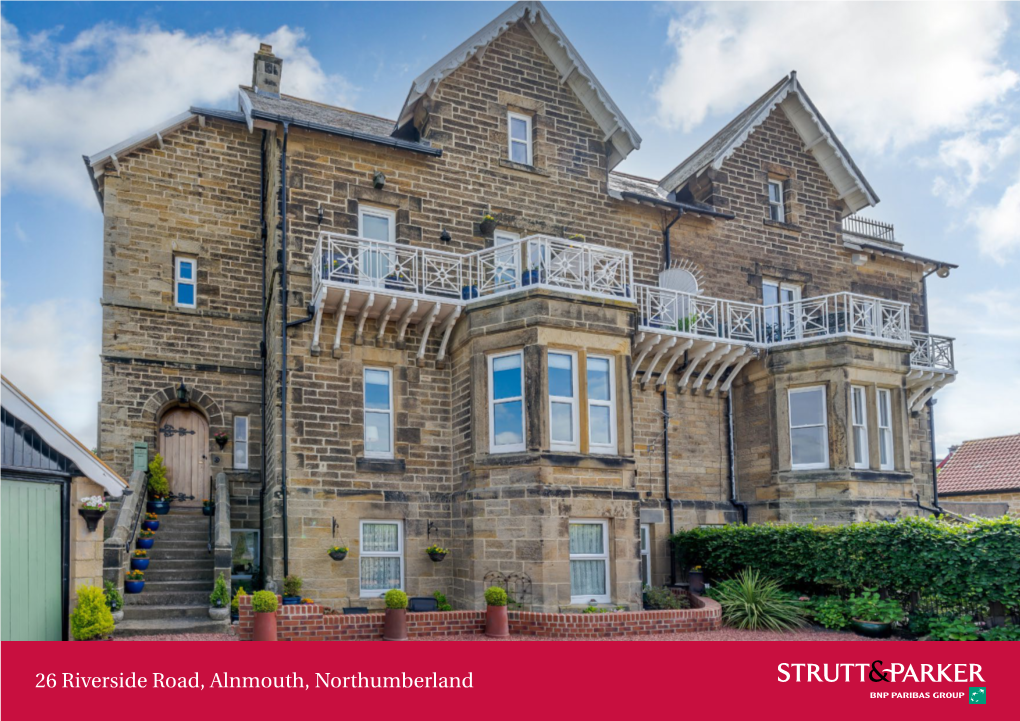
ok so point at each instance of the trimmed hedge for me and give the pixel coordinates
(969, 565)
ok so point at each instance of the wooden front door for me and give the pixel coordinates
(184, 445)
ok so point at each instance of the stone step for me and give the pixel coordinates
(169, 626)
(201, 583)
(178, 554)
(184, 544)
(161, 574)
(134, 612)
(155, 597)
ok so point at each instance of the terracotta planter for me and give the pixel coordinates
(265, 626)
(395, 625)
(497, 624)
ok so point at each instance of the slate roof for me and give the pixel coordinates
(986, 465)
(634, 188)
(310, 111)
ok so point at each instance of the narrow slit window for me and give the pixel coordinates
(241, 442)
(886, 454)
(777, 209)
(185, 282)
(563, 431)
(859, 409)
(646, 555)
(378, 413)
(520, 138)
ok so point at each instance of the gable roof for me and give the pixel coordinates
(986, 465)
(819, 139)
(574, 72)
(25, 410)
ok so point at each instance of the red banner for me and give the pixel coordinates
(513, 680)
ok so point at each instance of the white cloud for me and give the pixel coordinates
(50, 350)
(984, 400)
(970, 158)
(65, 99)
(998, 226)
(884, 74)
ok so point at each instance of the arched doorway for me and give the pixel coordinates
(184, 445)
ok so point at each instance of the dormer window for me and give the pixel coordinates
(777, 211)
(519, 137)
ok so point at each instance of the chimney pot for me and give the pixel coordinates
(266, 71)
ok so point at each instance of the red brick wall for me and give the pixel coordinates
(309, 623)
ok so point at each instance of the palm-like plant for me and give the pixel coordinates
(750, 601)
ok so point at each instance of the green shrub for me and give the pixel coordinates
(953, 628)
(113, 598)
(869, 606)
(292, 585)
(663, 599)
(91, 618)
(1009, 632)
(159, 486)
(830, 612)
(595, 609)
(495, 596)
(220, 596)
(264, 602)
(955, 565)
(234, 602)
(444, 605)
(395, 598)
(752, 601)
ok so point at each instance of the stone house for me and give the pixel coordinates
(464, 327)
(981, 477)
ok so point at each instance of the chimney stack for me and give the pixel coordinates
(266, 71)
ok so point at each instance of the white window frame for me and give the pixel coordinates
(367, 250)
(824, 425)
(510, 140)
(509, 447)
(611, 447)
(366, 410)
(886, 440)
(859, 423)
(193, 281)
(240, 442)
(511, 254)
(784, 316)
(390, 215)
(646, 551)
(604, 556)
(399, 553)
(779, 206)
(575, 424)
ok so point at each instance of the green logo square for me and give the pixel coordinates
(977, 694)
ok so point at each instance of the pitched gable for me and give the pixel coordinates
(574, 72)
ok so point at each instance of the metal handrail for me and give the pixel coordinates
(133, 529)
(869, 228)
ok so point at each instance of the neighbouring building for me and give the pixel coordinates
(982, 477)
(463, 327)
(49, 549)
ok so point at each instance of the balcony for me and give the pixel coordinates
(932, 366)
(867, 228)
(403, 284)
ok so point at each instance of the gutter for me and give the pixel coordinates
(675, 205)
(95, 183)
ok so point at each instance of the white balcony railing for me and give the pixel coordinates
(696, 315)
(836, 314)
(932, 352)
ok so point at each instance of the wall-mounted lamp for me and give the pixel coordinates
(320, 214)
(182, 393)
(445, 236)
(943, 271)
(378, 180)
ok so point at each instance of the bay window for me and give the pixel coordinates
(563, 416)
(506, 402)
(809, 430)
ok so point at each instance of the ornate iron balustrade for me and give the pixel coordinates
(836, 314)
(869, 228)
(682, 313)
(932, 352)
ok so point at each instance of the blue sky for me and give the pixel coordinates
(926, 98)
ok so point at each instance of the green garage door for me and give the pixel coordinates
(31, 565)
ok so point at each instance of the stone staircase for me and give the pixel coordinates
(177, 583)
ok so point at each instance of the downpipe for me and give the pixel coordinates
(732, 465)
(283, 349)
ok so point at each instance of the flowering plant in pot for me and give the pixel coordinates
(140, 560)
(219, 600)
(395, 623)
(497, 624)
(221, 439)
(487, 224)
(208, 507)
(696, 580)
(114, 601)
(338, 553)
(264, 604)
(91, 619)
(159, 487)
(151, 522)
(146, 539)
(134, 581)
(292, 590)
(92, 509)
(436, 553)
(872, 616)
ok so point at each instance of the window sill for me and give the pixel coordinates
(554, 458)
(522, 167)
(380, 465)
(785, 227)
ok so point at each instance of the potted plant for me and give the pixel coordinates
(235, 611)
(395, 623)
(397, 281)
(338, 553)
(436, 553)
(92, 509)
(468, 292)
(208, 507)
(219, 600)
(696, 580)
(487, 225)
(146, 539)
(496, 623)
(221, 438)
(292, 590)
(91, 619)
(530, 276)
(134, 581)
(151, 522)
(114, 601)
(140, 560)
(872, 616)
(159, 487)
(264, 603)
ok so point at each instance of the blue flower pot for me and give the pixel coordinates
(145, 543)
(151, 525)
(160, 508)
(139, 564)
(133, 586)
(468, 292)
(291, 600)
(530, 277)
(208, 510)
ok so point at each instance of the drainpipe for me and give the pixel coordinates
(263, 354)
(283, 348)
(931, 411)
(666, 256)
(732, 465)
